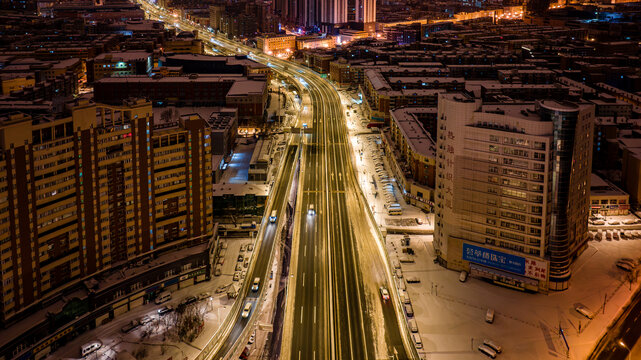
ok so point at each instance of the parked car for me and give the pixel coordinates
(463, 276)
(487, 351)
(584, 311)
(491, 343)
(165, 310)
(204, 296)
(130, 326)
(188, 300)
(489, 316)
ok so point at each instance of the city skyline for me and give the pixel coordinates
(320, 179)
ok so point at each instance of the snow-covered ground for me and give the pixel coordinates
(114, 342)
(451, 314)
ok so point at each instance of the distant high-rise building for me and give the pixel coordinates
(94, 189)
(512, 189)
(325, 14)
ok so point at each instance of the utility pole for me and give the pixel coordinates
(605, 299)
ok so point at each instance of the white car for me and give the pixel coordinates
(256, 284)
(310, 209)
(384, 294)
(246, 310)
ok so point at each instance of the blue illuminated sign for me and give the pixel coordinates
(493, 258)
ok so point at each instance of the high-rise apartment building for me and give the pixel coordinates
(325, 14)
(99, 187)
(512, 189)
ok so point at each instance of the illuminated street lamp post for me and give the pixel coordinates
(625, 347)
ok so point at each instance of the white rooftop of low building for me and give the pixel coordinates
(420, 140)
(123, 55)
(247, 87)
(601, 187)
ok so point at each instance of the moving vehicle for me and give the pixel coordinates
(487, 351)
(163, 297)
(273, 217)
(88, 348)
(584, 311)
(256, 284)
(492, 344)
(384, 293)
(489, 316)
(246, 310)
(310, 209)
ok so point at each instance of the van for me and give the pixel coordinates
(272, 217)
(417, 340)
(394, 211)
(411, 324)
(487, 351)
(163, 297)
(489, 316)
(496, 347)
(88, 348)
(409, 310)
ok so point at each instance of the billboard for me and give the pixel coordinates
(503, 261)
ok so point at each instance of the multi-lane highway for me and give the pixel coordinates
(334, 310)
(617, 343)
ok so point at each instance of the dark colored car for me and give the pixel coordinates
(165, 309)
(130, 326)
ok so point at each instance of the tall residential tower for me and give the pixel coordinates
(512, 189)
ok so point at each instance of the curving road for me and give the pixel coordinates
(334, 310)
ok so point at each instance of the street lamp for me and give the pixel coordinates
(625, 347)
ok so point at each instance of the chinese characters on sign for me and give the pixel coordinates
(517, 264)
(536, 269)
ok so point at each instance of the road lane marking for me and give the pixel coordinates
(301, 314)
(305, 251)
(314, 314)
(298, 354)
(303, 279)
(314, 279)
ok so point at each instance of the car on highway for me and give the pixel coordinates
(256, 284)
(310, 209)
(384, 293)
(246, 310)
(130, 326)
(165, 310)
